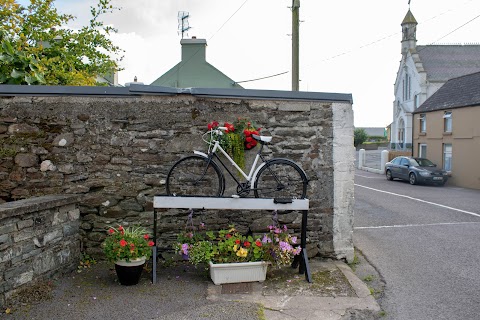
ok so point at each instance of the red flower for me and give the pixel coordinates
(249, 145)
(120, 228)
(123, 243)
(151, 243)
(237, 241)
(111, 231)
(228, 236)
(246, 244)
(249, 139)
(258, 243)
(146, 237)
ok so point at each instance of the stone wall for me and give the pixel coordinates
(117, 151)
(39, 238)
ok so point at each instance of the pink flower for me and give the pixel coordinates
(146, 237)
(151, 243)
(111, 231)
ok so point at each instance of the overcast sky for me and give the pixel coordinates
(346, 46)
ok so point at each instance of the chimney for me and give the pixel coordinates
(193, 49)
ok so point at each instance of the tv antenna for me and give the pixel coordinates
(183, 25)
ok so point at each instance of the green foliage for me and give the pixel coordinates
(377, 139)
(228, 245)
(127, 244)
(85, 262)
(359, 136)
(38, 48)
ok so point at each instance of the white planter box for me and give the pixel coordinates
(238, 272)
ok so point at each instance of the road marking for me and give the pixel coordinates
(368, 177)
(416, 225)
(420, 200)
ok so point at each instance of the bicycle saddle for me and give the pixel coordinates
(262, 139)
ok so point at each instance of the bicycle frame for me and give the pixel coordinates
(253, 170)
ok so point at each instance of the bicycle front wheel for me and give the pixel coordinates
(281, 178)
(195, 176)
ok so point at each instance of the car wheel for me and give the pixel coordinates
(412, 178)
(389, 175)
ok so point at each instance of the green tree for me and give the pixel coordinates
(359, 136)
(37, 47)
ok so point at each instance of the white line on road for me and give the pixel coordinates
(369, 177)
(416, 225)
(420, 200)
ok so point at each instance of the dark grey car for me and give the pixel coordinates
(415, 170)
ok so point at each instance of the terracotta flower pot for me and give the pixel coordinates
(129, 273)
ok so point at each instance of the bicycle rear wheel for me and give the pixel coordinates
(195, 176)
(281, 178)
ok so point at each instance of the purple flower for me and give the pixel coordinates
(185, 248)
(284, 227)
(266, 239)
(285, 246)
(297, 250)
(277, 230)
(294, 240)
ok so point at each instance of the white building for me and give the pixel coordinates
(422, 71)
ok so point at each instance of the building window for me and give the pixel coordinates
(447, 121)
(422, 150)
(416, 101)
(423, 123)
(447, 157)
(407, 87)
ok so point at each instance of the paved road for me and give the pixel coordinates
(424, 241)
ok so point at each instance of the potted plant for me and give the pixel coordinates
(233, 257)
(128, 248)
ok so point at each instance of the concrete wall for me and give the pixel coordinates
(117, 151)
(39, 238)
(464, 138)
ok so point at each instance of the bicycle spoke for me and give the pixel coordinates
(280, 179)
(193, 176)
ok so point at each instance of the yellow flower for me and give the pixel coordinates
(242, 252)
(235, 248)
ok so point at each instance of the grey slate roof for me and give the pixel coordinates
(140, 90)
(443, 62)
(456, 93)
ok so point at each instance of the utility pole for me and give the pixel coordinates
(295, 44)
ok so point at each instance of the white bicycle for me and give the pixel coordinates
(200, 174)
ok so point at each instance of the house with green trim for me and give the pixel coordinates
(194, 70)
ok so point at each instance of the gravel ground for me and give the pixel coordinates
(182, 292)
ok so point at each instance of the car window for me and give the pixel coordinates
(396, 161)
(425, 163)
(413, 162)
(404, 162)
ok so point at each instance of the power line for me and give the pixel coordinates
(399, 32)
(463, 25)
(228, 20)
(274, 75)
(198, 50)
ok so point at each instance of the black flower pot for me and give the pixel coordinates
(129, 273)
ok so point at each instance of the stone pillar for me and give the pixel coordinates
(361, 158)
(383, 160)
(343, 184)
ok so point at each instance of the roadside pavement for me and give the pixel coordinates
(185, 292)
